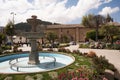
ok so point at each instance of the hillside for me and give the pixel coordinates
(27, 27)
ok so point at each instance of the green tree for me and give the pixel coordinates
(93, 21)
(91, 35)
(2, 38)
(65, 39)
(88, 20)
(109, 31)
(51, 37)
(9, 30)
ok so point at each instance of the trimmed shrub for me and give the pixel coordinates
(20, 50)
(64, 50)
(77, 52)
(109, 45)
(61, 49)
(64, 45)
(15, 48)
(40, 49)
(84, 46)
(50, 49)
(117, 46)
(91, 54)
(67, 51)
(85, 54)
(1, 50)
(101, 63)
(5, 47)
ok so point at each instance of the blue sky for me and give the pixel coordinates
(71, 3)
(60, 11)
(112, 4)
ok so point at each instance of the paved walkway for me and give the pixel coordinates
(112, 55)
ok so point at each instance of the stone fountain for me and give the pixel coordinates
(33, 36)
(19, 63)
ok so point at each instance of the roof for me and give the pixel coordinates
(1, 27)
(65, 26)
(114, 23)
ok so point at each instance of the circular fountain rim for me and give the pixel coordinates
(69, 55)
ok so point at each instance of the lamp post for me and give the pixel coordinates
(97, 23)
(12, 26)
(13, 15)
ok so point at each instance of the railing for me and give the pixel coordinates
(13, 63)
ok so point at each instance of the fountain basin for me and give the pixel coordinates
(18, 63)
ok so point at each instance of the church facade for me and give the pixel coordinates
(74, 32)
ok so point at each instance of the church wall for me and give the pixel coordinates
(77, 34)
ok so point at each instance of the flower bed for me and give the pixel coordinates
(80, 74)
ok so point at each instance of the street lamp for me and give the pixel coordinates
(13, 14)
(12, 26)
(99, 21)
(97, 24)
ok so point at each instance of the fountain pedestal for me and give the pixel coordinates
(33, 56)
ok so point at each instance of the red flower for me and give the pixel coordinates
(105, 78)
(74, 78)
(81, 75)
(86, 79)
(80, 79)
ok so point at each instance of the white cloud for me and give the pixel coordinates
(49, 10)
(109, 10)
